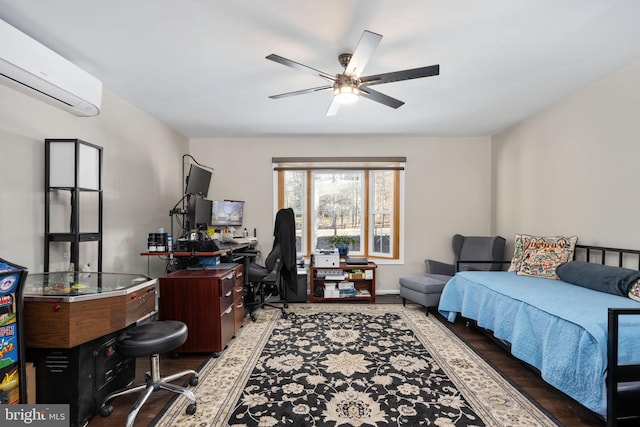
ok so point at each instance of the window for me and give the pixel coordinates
(360, 198)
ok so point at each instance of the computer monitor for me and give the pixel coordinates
(199, 213)
(198, 181)
(226, 213)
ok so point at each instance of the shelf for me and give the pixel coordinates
(75, 166)
(72, 237)
(368, 284)
(65, 188)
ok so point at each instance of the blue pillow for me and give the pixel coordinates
(603, 278)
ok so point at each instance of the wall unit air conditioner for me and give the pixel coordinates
(32, 68)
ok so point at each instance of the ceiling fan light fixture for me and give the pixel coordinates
(346, 90)
(346, 94)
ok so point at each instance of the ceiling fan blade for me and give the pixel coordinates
(380, 97)
(300, 92)
(333, 107)
(363, 52)
(289, 63)
(415, 73)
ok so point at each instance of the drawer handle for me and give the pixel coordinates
(230, 276)
(228, 294)
(228, 310)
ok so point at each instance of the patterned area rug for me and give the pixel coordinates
(352, 365)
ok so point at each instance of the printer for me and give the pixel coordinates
(327, 258)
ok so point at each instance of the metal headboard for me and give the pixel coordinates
(629, 258)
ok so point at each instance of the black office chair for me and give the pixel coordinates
(279, 270)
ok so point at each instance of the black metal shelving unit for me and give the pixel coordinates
(75, 185)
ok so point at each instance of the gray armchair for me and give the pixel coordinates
(471, 253)
(481, 253)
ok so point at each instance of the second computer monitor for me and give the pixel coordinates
(199, 212)
(226, 213)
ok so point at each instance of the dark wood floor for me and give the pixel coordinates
(566, 410)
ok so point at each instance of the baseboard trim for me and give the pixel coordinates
(387, 292)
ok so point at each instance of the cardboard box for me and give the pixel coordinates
(331, 290)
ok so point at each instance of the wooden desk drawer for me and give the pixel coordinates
(226, 292)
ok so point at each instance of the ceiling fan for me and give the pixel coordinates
(349, 85)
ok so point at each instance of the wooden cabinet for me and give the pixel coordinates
(362, 277)
(205, 300)
(57, 315)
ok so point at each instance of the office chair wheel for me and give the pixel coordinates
(106, 410)
(253, 317)
(193, 380)
(191, 408)
(286, 305)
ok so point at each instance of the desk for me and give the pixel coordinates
(224, 249)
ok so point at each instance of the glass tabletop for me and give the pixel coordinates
(68, 284)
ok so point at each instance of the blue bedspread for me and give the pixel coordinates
(559, 328)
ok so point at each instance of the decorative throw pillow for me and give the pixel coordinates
(634, 292)
(520, 240)
(541, 255)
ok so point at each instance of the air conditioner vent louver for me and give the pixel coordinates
(34, 69)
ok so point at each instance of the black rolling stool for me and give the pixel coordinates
(152, 339)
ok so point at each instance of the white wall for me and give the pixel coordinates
(448, 186)
(448, 182)
(573, 169)
(142, 170)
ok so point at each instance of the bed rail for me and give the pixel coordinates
(628, 258)
(623, 381)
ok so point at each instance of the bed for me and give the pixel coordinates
(559, 328)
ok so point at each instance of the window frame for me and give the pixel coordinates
(333, 165)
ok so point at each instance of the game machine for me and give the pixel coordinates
(12, 367)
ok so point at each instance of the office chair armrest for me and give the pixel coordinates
(272, 277)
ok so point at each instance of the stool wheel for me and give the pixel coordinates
(106, 410)
(191, 408)
(193, 380)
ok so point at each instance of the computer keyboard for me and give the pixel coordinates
(229, 239)
(243, 240)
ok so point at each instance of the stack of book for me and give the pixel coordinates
(347, 289)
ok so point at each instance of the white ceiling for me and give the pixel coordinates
(200, 65)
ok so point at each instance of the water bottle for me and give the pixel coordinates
(169, 243)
